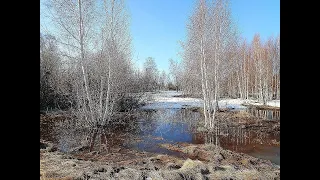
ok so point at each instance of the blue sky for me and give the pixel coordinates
(158, 25)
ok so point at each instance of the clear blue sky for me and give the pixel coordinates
(158, 25)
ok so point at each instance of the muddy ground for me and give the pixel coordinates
(198, 161)
(214, 163)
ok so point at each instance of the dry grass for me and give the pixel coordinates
(44, 175)
(42, 171)
(189, 149)
(242, 114)
(63, 178)
(245, 162)
(55, 165)
(190, 164)
(275, 142)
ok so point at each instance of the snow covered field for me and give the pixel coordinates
(238, 102)
(166, 99)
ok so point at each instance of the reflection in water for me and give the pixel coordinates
(47, 130)
(70, 136)
(179, 125)
(148, 128)
(269, 114)
(164, 126)
(253, 142)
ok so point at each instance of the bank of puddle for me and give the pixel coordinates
(152, 127)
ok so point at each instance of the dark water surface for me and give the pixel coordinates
(171, 125)
(179, 125)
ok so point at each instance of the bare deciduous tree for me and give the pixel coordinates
(151, 74)
(175, 72)
(100, 49)
(209, 37)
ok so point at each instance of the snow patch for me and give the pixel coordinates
(166, 99)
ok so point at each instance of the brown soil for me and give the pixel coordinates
(209, 163)
(262, 107)
(211, 153)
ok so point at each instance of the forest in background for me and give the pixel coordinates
(91, 91)
(86, 64)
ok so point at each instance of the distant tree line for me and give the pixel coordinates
(218, 62)
(86, 62)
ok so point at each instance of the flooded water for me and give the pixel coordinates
(164, 126)
(169, 124)
(179, 125)
(269, 114)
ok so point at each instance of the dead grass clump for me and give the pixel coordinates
(242, 114)
(129, 174)
(193, 169)
(170, 174)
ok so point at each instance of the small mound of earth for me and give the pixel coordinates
(217, 155)
(201, 162)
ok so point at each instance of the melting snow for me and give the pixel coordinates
(166, 99)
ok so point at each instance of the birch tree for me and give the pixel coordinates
(49, 71)
(233, 67)
(163, 80)
(74, 19)
(115, 56)
(101, 51)
(175, 72)
(150, 72)
(196, 45)
(276, 68)
(245, 68)
(209, 37)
